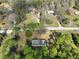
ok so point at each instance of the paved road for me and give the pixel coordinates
(62, 28)
(51, 28)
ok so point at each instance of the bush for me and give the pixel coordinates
(28, 33)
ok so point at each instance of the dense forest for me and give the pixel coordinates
(60, 46)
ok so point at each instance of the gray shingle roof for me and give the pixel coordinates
(38, 42)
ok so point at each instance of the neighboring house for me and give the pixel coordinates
(38, 42)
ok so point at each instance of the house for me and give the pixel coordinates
(38, 42)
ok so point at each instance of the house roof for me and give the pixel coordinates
(38, 42)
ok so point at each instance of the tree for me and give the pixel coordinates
(53, 52)
(38, 3)
(76, 4)
(29, 56)
(28, 33)
(19, 7)
(62, 54)
(31, 27)
(75, 38)
(17, 56)
(45, 51)
(65, 21)
(16, 30)
(27, 49)
(60, 39)
(37, 54)
(65, 47)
